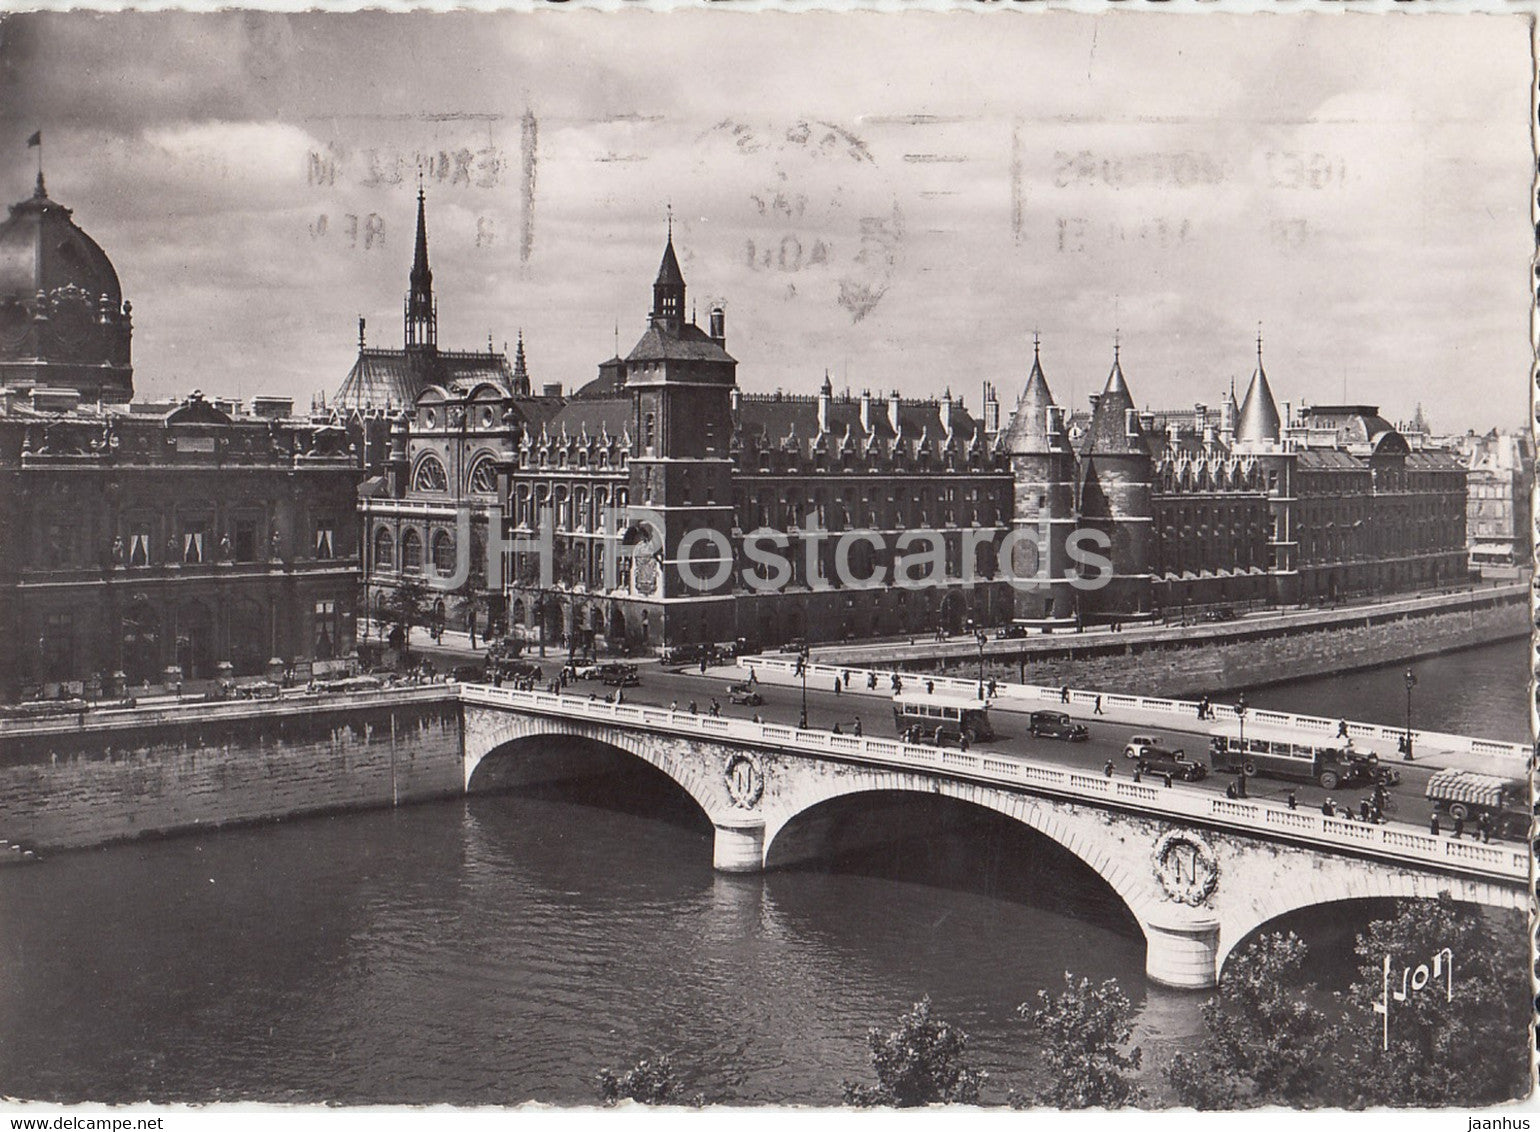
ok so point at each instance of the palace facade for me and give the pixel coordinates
(679, 509)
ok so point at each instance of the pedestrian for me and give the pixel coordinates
(1459, 828)
(693, 709)
(1099, 706)
(619, 696)
(1329, 808)
(846, 677)
(1293, 801)
(1433, 825)
(857, 729)
(1342, 731)
(703, 666)
(1064, 694)
(753, 677)
(756, 718)
(716, 708)
(1138, 771)
(962, 743)
(1168, 779)
(1484, 824)
(1363, 809)
(470, 622)
(994, 687)
(836, 685)
(837, 730)
(871, 681)
(1202, 707)
(1107, 770)
(898, 684)
(930, 687)
(1240, 784)
(1230, 791)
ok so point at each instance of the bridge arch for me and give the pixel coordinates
(1076, 833)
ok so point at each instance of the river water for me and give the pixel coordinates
(505, 947)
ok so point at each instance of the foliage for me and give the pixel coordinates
(646, 1082)
(1085, 1030)
(406, 606)
(922, 1062)
(1461, 1041)
(1263, 1042)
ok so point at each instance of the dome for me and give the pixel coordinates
(63, 321)
(42, 249)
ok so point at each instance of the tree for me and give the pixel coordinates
(646, 1082)
(1085, 1030)
(922, 1062)
(1263, 1042)
(405, 607)
(1463, 1038)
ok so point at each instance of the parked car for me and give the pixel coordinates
(1219, 613)
(1138, 744)
(620, 675)
(1158, 761)
(1010, 632)
(744, 694)
(581, 671)
(1057, 725)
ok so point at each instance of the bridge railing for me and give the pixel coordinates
(1505, 862)
(783, 671)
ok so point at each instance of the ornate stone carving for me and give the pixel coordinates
(1185, 866)
(745, 781)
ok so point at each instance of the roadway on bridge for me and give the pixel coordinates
(667, 687)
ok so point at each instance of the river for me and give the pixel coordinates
(504, 948)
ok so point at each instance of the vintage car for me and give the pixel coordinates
(620, 675)
(745, 694)
(1057, 725)
(1158, 761)
(1138, 744)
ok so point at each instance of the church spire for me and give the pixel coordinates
(421, 314)
(520, 369)
(668, 289)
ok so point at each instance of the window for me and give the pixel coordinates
(194, 550)
(245, 540)
(58, 646)
(430, 475)
(650, 432)
(483, 477)
(139, 544)
(411, 552)
(384, 550)
(443, 554)
(324, 544)
(326, 629)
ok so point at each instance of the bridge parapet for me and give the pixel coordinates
(1501, 863)
(783, 671)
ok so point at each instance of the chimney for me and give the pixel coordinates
(991, 409)
(1199, 415)
(866, 410)
(1055, 419)
(825, 397)
(1131, 423)
(1173, 432)
(946, 413)
(1147, 422)
(737, 398)
(1095, 400)
(1287, 413)
(1227, 420)
(718, 325)
(551, 389)
(893, 406)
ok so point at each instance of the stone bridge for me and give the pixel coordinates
(1199, 873)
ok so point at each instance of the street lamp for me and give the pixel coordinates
(982, 637)
(1240, 715)
(1411, 682)
(802, 667)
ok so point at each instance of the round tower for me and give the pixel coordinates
(1115, 483)
(1043, 515)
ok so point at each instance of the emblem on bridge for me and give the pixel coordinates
(745, 783)
(1186, 866)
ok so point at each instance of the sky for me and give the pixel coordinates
(901, 200)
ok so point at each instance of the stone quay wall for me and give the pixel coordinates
(110, 776)
(1240, 658)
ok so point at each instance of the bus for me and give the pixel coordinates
(939, 718)
(1279, 752)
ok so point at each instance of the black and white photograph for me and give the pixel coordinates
(736, 559)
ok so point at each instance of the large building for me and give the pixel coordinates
(1501, 475)
(680, 509)
(150, 543)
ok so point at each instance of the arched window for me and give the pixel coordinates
(483, 476)
(384, 550)
(430, 475)
(411, 552)
(443, 554)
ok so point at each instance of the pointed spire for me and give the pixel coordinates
(520, 368)
(1259, 421)
(1114, 425)
(668, 289)
(1030, 431)
(421, 317)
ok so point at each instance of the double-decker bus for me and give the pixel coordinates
(1278, 752)
(939, 718)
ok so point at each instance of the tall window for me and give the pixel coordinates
(411, 552)
(384, 550)
(326, 630)
(245, 540)
(139, 544)
(325, 530)
(194, 536)
(443, 554)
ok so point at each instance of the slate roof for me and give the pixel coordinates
(1028, 432)
(1259, 421)
(1108, 432)
(691, 344)
(773, 421)
(393, 378)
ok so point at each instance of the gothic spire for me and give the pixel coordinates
(421, 315)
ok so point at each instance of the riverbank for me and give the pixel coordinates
(1195, 660)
